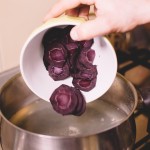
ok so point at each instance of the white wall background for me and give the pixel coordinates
(18, 18)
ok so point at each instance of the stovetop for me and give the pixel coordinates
(133, 54)
(135, 66)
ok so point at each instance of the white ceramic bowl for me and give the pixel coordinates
(36, 76)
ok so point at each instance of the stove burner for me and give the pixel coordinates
(135, 57)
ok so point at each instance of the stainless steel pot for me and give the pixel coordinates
(30, 123)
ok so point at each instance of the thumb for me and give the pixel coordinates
(90, 29)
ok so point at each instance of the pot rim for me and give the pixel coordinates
(66, 137)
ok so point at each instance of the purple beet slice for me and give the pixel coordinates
(81, 105)
(72, 61)
(72, 47)
(59, 73)
(86, 57)
(86, 73)
(65, 100)
(87, 43)
(66, 35)
(56, 54)
(52, 35)
(84, 84)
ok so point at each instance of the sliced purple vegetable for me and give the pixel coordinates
(72, 61)
(56, 54)
(87, 43)
(86, 57)
(65, 100)
(59, 73)
(86, 73)
(67, 38)
(84, 84)
(81, 105)
(72, 47)
(52, 35)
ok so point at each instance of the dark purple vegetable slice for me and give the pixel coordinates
(84, 84)
(52, 35)
(65, 100)
(86, 57)
(81, 105)
(66, 35)
(87, 43)
(67, 29)
(72, 61)
(86, 73)
(56, 54)
(46, 60)
(72, 47)
(59, 73)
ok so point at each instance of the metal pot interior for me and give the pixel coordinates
(19, 106)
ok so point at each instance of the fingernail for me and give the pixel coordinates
(74, 35)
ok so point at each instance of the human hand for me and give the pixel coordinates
(111, 16)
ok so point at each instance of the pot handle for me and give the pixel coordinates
(145, 98)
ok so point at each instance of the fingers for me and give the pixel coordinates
(84, 11)
(90, 29)
(81, 11)
(72, 12)
(62, 5)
